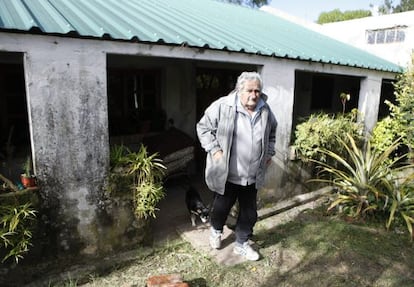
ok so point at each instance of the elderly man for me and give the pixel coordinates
(238, 133)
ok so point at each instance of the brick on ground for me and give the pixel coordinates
(166, 280)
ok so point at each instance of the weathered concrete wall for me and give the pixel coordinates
(66, 91)
(279, 86)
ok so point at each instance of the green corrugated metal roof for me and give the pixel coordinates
(196, 23)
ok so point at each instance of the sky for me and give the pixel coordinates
(310, 9)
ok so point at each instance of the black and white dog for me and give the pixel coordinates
(195, 206)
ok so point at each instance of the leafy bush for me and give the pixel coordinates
(399, 122)
(385, 133)
(322, 131)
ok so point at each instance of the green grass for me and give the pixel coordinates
(312, 250)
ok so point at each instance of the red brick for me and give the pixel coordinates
(167, 280)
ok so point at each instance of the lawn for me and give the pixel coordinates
(313, 250)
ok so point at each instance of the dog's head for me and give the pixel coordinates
(204, 214)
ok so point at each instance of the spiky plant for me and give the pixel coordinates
(146, 172)
(400, 207)
(361, 176)
(15, 229)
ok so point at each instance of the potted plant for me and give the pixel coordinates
(27, 178)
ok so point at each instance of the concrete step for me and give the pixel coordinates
(290, 203)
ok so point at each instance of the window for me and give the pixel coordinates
(389, 35)
(400, 36)
(370, 37)
(380, 36)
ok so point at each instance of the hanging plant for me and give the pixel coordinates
(143, 175)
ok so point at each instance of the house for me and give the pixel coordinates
(388, 36)
(78, 75)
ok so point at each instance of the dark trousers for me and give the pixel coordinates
(247, 217)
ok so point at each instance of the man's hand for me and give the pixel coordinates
(217, 155)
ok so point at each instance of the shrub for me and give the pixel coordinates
(399, 122)
(322, 131)
(384, 133)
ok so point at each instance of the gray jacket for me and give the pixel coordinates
(215, 132)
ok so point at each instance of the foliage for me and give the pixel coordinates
(15, 232)
(384, 133)
(116, 155)
(386, 8)
(249, 3)
(321, 131)
(399, 122)
(389, 8)
(401, 204)
(143, 174)
(360, 181)
(403, 110)
(367, 181)
(405, 5)
(337, 16)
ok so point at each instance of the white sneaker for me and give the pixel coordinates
(215, 238)
(246, 251)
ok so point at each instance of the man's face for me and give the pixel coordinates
(250, 94)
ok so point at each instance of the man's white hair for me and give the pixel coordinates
(248, 76)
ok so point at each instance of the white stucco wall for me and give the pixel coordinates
(354, 32)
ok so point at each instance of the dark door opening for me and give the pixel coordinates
(14, 122)
(318, 92)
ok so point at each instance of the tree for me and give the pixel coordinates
(249, 3)
(405, 5)
(389, 8)
(385, 8)
(336, 15)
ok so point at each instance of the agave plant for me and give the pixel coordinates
(361, 177)
(401, 203)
